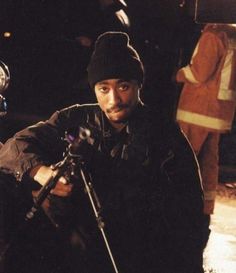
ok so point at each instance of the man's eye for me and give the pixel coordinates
(103, 89)
(124, 87)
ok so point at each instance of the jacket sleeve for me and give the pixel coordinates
(38, 144)
(184, 206)
(204, 62)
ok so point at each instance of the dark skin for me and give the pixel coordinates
(117, 98)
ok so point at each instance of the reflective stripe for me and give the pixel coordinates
(189, 75)
(227, 79)
(209, 195)
(202, 120)
(226, 94)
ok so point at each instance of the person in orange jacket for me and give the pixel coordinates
(207, 102)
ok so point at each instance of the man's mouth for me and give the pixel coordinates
(116, 109)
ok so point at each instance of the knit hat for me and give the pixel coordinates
(114, 58)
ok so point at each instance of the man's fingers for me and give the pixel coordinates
(62, 188)
(63, 180)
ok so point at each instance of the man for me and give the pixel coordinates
(207, 102)
(143, 171)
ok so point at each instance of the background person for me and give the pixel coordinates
(207, 102)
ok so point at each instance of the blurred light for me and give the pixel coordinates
(4, 77)
(123, 18)
(123, 3)
(3, 106)
(7, 34)
(84, 41)
(182, 4)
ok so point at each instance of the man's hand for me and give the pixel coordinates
(62, 188)
(42, 174)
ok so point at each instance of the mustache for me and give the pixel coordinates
(117, 108)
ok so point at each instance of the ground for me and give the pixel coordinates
(220, 253)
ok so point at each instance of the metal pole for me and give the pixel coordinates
(91, 193)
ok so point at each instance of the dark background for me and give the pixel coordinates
(48, 63)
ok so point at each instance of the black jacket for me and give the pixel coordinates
(147, 181)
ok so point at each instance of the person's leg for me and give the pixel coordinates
(206, 147)
(208, 160)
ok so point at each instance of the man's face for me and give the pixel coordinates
(117, 98)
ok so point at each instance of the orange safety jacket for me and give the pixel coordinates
(208, 97)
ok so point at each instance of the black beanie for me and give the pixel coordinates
(114, 58)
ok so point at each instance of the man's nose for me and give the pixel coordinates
(114, 97)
